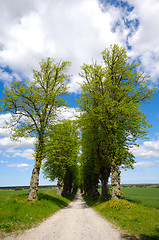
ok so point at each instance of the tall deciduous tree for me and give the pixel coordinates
(61, 154)
(89, 156)
(127, 90)
(112, 94)
(33, 105)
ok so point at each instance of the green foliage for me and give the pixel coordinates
(111, 96)
(19, 214)
(33, 102)
(89, 169)
(112, 93)
(33, 106)
(61, 150)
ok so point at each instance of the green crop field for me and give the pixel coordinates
(137, 214)
(147, 196)
(16, 213)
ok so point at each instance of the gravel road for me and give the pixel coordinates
(77, 221)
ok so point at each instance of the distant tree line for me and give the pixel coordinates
(82, 152)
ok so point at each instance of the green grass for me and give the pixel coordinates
(138, 216)
(16, 213)
(147, 196)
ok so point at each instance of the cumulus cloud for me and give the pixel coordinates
(147, 150)
(3, 161)
(77, 31)
(74, 30)
(144, 40)
(6, 142)
(14, 153)
(3, 119)
(68, 113)
(27, 153)
(7, 77)
(18, 165)
(143, 164)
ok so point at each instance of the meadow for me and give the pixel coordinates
(147, 196)
(17, 214)
(137, 213)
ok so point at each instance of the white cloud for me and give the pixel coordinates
(144, 40)
(6, 142)
(3, 119)
(3, 161)
(72, 30)
(147, 150)
(27, 153)
(7, 77)
(143, 164)
(77, 31)
(68, 113)
(6, 155)
(18, 165)
(14, 153)
(4, 132)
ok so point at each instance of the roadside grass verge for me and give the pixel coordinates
(132, 217)
(17, 214)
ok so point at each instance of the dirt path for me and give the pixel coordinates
(75, 222)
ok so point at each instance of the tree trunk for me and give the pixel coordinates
(91, 189)
(59, 185)
(67, 184)
(115, 182)
(104, 180)
(36, 170)
(34, 184)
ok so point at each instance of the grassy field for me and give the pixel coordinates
(16, 213)
(137, 213)
(147, 196)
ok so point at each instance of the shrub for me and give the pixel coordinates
(119, 204)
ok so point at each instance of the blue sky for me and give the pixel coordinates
(77, 31)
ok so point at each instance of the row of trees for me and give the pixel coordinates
(111, 95)
(110, 122)
(61, 152)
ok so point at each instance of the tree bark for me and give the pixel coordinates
(105, 173)
(34, 184)
(91, 189)
(59, 185)
(36, 170)
(67, 184)
(115, 182)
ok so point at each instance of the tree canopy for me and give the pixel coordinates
(111, 121)
(111, 94)
(33, 104)
(61, 151)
